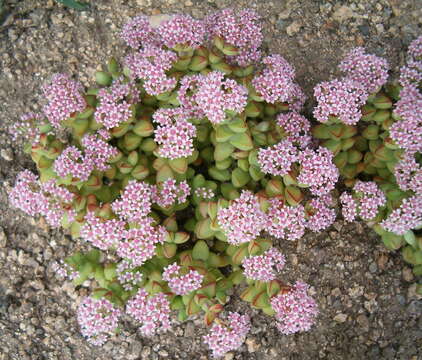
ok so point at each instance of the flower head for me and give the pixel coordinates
(98, 150)
(243, 220)
(240, 29)
(317, 170)
(115, 103)
(135, 202)
(261, 267)
(169, 192)
(179, 283)
(348, 207)
(408, 173)
(319, 213)
(278, 159)
(369, 70)
(296, 127)
(103, 234)
(64, 97)
(72, 162)
(153, 312)
(97, 318)
(204, 193)
(285, 222)
(370, 198)
(408, 216)
(216, 94)
(27, 129)
(295, 309)
(150, 65)
(174, 133)
(182, 30)
(340, 98)
(226, 336)
(138, 32)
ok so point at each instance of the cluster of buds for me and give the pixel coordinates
(377, 146)
(181, 162)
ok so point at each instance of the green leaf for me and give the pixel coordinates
(242, 141)
(74, 4)
(200, 251)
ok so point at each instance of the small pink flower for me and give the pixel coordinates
(407, 217)
(241, 29)
(174, 134)
(261, 267)
(128, 275)
(150, 65)
(296, 127)
(204, 193)
(182, 284)
(187, 95)
(64, 97)
(227, 336)
(295, 309)
(135, 202)
(64, 271)
(369, 70)
(98, 150)
(216, 94)
(276, 82)
(370, 199)
(340, 98)
(103, 234)
(138, 32)
(97, 319)
(169, 192)
(285, 222)
(139, 242)
(317, 170)
(408, 173)
(279, 158)
(243, 220)
(115, 103)
(182, 30)
(152, 311)
(348, 207)
(320, 215)
(72, 162)
(27, 129)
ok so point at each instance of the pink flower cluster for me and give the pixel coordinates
(174, 133)
(169, 192)
(98, 150)
(153, 312)
(407, 131)
(139, 242)
(135, 202)
(262, 267)
(240, 29)
(408, 216)
(182, 284)
(285, 222)
(319, 213)
(150, 65)
(278, 159)
(295, 309)
(225, 337)
(64, 97)
(412, 72)
(46, 199)
(103, 234)
(296, 127)
(115, 103)
(204, 193)
(216, 94)
(27, 129)
(73, 163)
(275, 83)
(369, 70)
(408, 173)
(186, 95)
(182, 30)
(138, 32)
(366, 202)
(243, 220)
(317, 170)
(97, 318)
(64, 271)
(127, 275)
(340, 98)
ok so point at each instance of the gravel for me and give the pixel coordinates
(368, 305)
